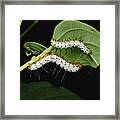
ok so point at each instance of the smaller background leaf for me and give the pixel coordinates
(34, 47)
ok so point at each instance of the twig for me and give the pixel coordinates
(35, 59)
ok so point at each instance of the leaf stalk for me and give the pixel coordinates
(36, 58)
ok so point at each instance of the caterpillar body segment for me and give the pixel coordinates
(58, 60)
(70, 44)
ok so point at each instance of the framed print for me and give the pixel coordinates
(59, 59)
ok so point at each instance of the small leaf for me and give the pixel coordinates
(34, 48)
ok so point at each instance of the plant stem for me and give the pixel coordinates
(35, 59)
(94, 60)
(29, 28)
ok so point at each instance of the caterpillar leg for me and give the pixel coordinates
(38, 75)
(63, 77)
(58, 72)
(54, 70)
(50, 67)
(30, 74)
(44, 69)
(90, 71)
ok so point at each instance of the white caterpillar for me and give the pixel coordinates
(55, 59)
(69, 44)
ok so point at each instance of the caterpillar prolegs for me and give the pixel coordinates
(71, 43)
(58, 60)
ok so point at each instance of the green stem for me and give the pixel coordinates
(94, 60)
(29, 28)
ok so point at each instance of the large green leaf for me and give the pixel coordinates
(64, 26)
(75, 30)
(45, 91)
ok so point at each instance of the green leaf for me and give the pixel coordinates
(75, 30)
(65, 26)
(45, 91)
(75, 56)
(34, 48)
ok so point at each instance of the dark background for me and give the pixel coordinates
(85, 83)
